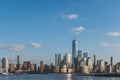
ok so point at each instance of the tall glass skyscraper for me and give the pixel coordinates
(85, 55)
(59, 59)
(18, 59)
(74, 49)
(56, 59)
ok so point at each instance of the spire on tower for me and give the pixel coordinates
(74, 35)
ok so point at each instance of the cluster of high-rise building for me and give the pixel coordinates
(82, 63)
(75, 62)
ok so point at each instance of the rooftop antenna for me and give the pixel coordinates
(75, 35)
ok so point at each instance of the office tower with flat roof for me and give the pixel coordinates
(33, 67)
(89, 64)
(59, 59)
(79, 57)
(85, 55)
(41, 66)
(94, 64)
(80, 52)
(11, 68)
(18, 59)
(68, 59)
(56, 59)
(18, 65)
(111, 61)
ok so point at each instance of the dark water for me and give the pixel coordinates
(53, 77)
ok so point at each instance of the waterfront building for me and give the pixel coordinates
(59, 59)
(51, 67)
(70, 70)
(106, 66)
(101, 66)
(5, 64)
(82, 63)
(94, 64)
(117, 68)
(11, 68)
(89, 63)
(64, 69)
(56, 69)
(56, 59)
(84, 70)
(68, 60)
(33, 67)
(111, 61)
(79, 58)
(41, 66)
(26, 65)
(109, 69)
(46, 68)
(85, 55)
(18, 66)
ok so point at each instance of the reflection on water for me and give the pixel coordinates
(54, 77)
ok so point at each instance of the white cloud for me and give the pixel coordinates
(16, 48)
(106, 44)
(71, 16)
(116, 45)
(79, 29)
(114, 33)
(3, 47)
(36, 45)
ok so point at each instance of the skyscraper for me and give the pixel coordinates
(94, 64)
(18, 65)
(85, 55)
(68, 60)
(59, 59)
(56, 59)
(89, 64)
(26, 65)
(74, 49)
(11, 68)
(18, 59)
(79, 57)
(111, 60)
(41, 66)
(5, 64)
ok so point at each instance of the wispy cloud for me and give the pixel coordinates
(3, 47)
(16, 48)
(36, 45)
(107, 44)
(116, 34)
(71, 16)
(78, 29)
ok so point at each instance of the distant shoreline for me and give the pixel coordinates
(78, 74)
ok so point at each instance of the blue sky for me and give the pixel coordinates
(37, 29)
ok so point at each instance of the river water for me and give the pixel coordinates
(53, 77)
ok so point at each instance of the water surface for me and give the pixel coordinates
(53, 77)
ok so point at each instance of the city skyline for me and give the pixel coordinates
(37, 30)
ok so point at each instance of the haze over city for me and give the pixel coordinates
(37, 30)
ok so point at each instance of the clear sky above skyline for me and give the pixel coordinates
(37, 29)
